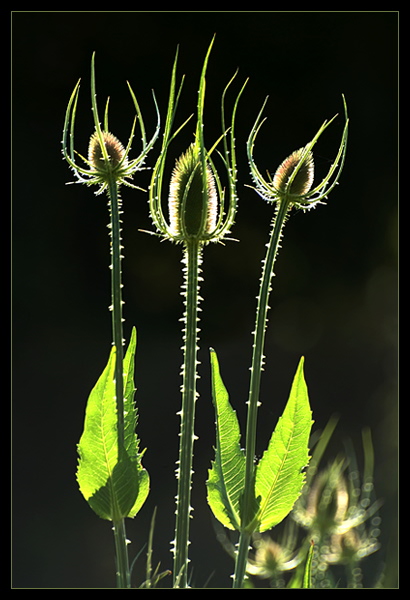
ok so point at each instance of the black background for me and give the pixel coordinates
(335, 291)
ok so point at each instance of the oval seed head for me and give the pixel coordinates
(304, 178)
(115, 151)
(190, 213)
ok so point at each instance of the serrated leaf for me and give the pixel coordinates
(111, 478)
(226, 477)
(131, 441)
(279, 477)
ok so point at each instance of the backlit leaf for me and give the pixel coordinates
(226, 477)
(279, 474)
(111, 478)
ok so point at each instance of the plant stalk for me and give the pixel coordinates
(116, 306)
(121, 549)
(121, 555)
(278, 223)
(241, 560)
(192, 261)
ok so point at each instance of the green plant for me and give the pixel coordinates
(196, 218)
(250, 500)
(246, 496)
(110, 473)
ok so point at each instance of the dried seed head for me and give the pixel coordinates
(303, 180)
(190, 212)
(115, 151)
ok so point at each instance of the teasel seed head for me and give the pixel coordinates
(115, 151)
(303, 180)
(192, 213)
(293, 181)
(108, 161)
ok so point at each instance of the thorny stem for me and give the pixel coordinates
(241, 559)
(116, 307)
(121, 550)
(192, 261)
(121, 555)
(278, 223)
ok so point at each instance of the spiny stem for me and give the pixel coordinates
(121, 555)
(121, 550)
(241, 560)
(192, 260)
(116, 307)
(256, 370)
(259, 342)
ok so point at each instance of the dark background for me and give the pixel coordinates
(335, 291)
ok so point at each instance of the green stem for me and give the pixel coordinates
(192, 261)
(121, 549)
(241, 560)
(254, 388)
(121, 555)
(116, 306)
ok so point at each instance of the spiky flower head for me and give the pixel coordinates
(283, 180)
(196, 202)
(293, 180)
(107, 160)
(192, 211)
(114, 150)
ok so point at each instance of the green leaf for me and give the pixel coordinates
(226, 477)
(111, 478)
(279, 476)
(131, 440)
